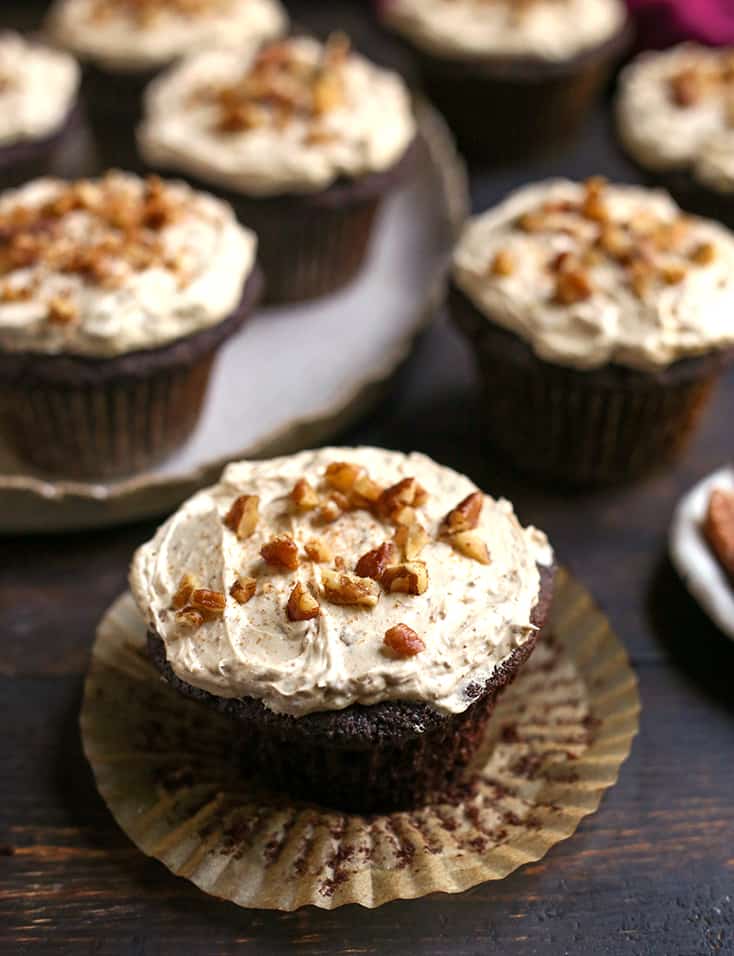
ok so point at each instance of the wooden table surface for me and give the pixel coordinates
(651, 873)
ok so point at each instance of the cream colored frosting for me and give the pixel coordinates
(553, 30)
(368, 133)
(119, 42)
(471, 617)
(666, 322)
(663, 135)
(213, 256)
(38, 87)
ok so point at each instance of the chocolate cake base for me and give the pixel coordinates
(363, 759)
(99, 418)
(22, 162)
(583, 427)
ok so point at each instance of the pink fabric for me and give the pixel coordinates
(664, 22)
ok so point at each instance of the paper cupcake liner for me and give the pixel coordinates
(164, 766)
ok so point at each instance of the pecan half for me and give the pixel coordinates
(210, 603)
(243, 590)
(302, 606)
(318, 551)
(410, 577)
(471, 545)
(341, 587)
(243, 516)
(373, 563)
(465, 516)
(304, 496)
(281, 552)
(403, 641)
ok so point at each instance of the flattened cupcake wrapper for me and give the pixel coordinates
(165, 767)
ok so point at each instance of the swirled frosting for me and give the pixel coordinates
(470, 618)
(552, 30)
(595, 274)
(38, 87)
(675, 110)
(292, 119)
(132, 36)
(104, 267)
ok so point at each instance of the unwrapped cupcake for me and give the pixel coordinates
(602, 317)
(675, 116)
(354, 611)
(124, 43)
(115, 296)
(512, 77)
(305, 140)
(38, 106)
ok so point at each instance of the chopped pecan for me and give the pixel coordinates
(532, 222)
(373, 563)
(718, 527)
(411, 539)
(341, 475)
(615, 241)
(686, 88)
(243, 516)
(329, 511)
(318, 551)
(465, 516)
(673, 273)
(403, 641)
(572, 286)
(189, 617)
(405, 494)
(341, 587)
(61, 310)
(281, 552)
(302, 606)
(186, 587)
(410, 577)
(243, 590)
(593, 206)
(210, 603)
(704, 254)
(503, 263)
(471, 545)
(304, 496)
(365, 492)
(640, 275)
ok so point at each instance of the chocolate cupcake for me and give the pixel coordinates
(602, 318)
(304, 139)
(675, 116)
(115, 297)
(125, 43)
(354, 611)
(512, 78)
(38, 107)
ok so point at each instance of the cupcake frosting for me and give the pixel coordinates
(293, 118)
(552, 30)
(305, 616)
(104, 267)
(591, 274)
(136, 35)
(675, 110)
(38, 88)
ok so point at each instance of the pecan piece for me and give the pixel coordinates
(503, 264)
(61, 310)
(673, 274)
(243, 516)
(318, 551)
(403, 641)
(281, 552)
(718, 527)
(341, 587)
(572, 286)
(410, 577)
(186, 587)
(471, 545)
(686, 88)
(373, 563)
(704, 254)
(394, 500)
(465, 516)
(210, 603)
(411, 539)
(243, 590)
(190, 618)
(365, 492)
(330, 510)
(302, 605)
(304, 496)
(593, 206)
(341, 475)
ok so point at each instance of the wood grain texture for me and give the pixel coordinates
(651, 873)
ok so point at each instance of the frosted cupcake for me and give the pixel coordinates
(675, 116)
(38, 106)
(115, 296)
(125, 43)
(354, 611)
(512, 77)
(304, 139)
(602, 318)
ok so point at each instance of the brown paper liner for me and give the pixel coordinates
(554, 745)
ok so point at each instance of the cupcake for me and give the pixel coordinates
(115, 296)
(304, 139)
(602, 318)
(675, 116)
(38, 106)
(510, 77)
(355, 612)
(125, 43)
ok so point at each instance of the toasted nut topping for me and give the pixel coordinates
(329, 511)
(340, 500)
(615, 241)
(186, 588)
(405, 494)
(686, 88)
(465, 516)
(718, 527)
(571, 287)
(673, 274)
(302, 606)
(243, 590)
(318, 551)
(704, 254)
(190, 618)
(503, 263)
(532, 222)
(471, 545)
(61, 310)
(641, 275)
(411, 539)
(341, 475)
(341, 587)
(209, 602)
(365, 492)
(593, 206)
(403, 641)
(303, 496)
(243, 516)
(281, 552)
(373, 563)
(411, 577)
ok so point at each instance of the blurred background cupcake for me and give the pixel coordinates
(512, 77)
(39, 110)
(115, 296)
(125, 43)
(602, 318)
(304, 138)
